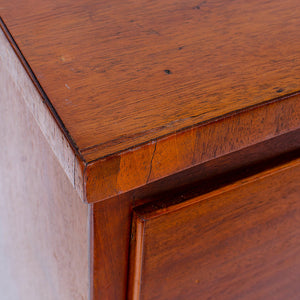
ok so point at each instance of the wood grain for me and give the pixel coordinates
(143, 91)
(138, 167)
(240, 241)
(222, 170)
(123, 73)
(43, 222)
(110, 235)
(111, 219)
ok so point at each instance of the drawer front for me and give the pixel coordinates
(239, 242)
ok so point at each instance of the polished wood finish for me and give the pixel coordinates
(43, 222)
(113, 218)
(138, 167)
(284, 146)
(110, 233)
(134, 103)
(119, 74)
(240, 241)
(208, 74)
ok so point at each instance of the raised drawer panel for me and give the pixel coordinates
(239, 242)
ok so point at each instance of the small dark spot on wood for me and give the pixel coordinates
(131, 21)
(279, 90)
(199, 5)
(181, 47)
(168, 72)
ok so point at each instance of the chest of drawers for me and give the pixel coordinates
(149, 150)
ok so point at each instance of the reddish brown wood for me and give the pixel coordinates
(113, 217)
(240, 241)
(103, 64)
(138, 167)
(148, 91)
(110, 234)
(284, 147)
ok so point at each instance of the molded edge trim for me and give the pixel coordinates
(149, 162)
(174, 153)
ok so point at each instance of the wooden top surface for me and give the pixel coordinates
(122, 73)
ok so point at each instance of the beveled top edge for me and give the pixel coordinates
(120, 75)
(126, 171)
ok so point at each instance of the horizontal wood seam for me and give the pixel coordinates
(222, 190)
(186, 129)
(81, 152)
